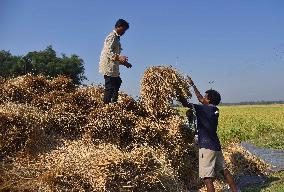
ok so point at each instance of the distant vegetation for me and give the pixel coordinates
(254, 103)
(44, 62)
(178, 104)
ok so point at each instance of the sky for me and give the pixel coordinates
(237, 44)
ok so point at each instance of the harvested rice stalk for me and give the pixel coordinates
(22, 89)
(83, 165)
(159, 87)
(241, 162)
(112, 123)
(81, 144)
(18, 126)
(62, 83)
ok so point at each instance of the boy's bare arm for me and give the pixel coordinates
(184, 101)
(200, 98)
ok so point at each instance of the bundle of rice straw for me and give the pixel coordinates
(55, 136)
(20, 126)
(159, 87)
(81, 165)
(22, 89)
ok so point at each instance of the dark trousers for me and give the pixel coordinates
(112, 85)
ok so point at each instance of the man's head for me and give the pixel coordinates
(121, 26)
(213, 97)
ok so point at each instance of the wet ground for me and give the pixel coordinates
(275, 158)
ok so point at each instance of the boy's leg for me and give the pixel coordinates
(225, 173)
(230, 180)
(209, 184)
(207, 159)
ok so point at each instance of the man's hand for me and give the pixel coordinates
(122, 59)
(128, 65)
(189, 80)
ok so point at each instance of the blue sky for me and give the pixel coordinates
(238, 44)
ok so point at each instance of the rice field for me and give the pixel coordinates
(262, 125)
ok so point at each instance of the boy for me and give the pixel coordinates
(111, 59)
(211, 160)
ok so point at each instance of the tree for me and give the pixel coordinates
(43, 62)
(8, 63)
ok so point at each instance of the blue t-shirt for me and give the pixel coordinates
(207, 122)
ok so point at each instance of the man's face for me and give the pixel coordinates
(120, 30)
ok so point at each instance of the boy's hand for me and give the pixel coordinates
(122, 59)
(189, 80)
(200, 98)
(190, 116)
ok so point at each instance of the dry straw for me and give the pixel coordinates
(55, 136)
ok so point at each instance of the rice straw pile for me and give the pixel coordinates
(55, 136)
(159, 87)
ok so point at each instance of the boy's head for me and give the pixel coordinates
(213, 97)
(121, 26)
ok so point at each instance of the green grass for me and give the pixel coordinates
(262, 125)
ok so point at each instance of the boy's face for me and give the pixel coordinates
(206, 97)
(120, 30)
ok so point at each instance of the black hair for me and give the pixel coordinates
(123, 23)
(213, 96)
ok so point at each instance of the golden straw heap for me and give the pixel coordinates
(55, 136)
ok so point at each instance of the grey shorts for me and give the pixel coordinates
(211, 163)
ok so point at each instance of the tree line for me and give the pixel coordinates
(44, 62)
(255, 103)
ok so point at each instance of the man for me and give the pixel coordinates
(111, 59)
(211, 160)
